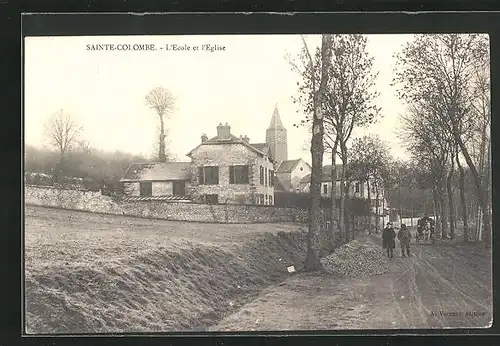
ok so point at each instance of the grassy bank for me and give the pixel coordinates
(91, 274)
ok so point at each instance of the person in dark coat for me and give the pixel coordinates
(388, 239)
(404, 236)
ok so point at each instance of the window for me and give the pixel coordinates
(266, 177)
(238, 174)
(266, 199)
(325, 188)
(261, 175)
(270, 200)
(179, 188)
(260, 199)
(357, 187)
(208, 175)
(146, 189)
(271, 178)
(211, 199)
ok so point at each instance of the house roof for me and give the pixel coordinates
(326, 175)
(288, 165)
(264, 147)
(259, 148)
(157, 171)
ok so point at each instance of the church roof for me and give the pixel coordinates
(276, 120)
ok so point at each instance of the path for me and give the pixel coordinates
(440, 286)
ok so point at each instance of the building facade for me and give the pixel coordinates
(356, 189)
(291, 172)
(228, 169)
(224, 169)
(157, 179)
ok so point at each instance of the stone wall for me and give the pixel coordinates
(221, 213)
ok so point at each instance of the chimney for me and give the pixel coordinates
(204, 138)
(246, 139)
(223, 131)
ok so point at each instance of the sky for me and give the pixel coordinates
(104, 91)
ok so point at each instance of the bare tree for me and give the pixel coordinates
(162, 101)
(430, 147)
(439, 70)
(348, 104)
(314, 78)
(62, 132)
(369, 160)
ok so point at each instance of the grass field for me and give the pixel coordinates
(91, 273)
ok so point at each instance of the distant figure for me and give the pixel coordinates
(388, 239)
(404, 237)
(424, 223)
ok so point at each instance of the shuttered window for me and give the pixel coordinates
(209, 175)
(238, 174)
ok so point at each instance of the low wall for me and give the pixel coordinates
(222, 213)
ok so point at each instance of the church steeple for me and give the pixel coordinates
(276, 137)
(275, 119)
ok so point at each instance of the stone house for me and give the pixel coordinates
(228, 169)
(291, 172)
(224, 169)
(157, 179)
(357, 189)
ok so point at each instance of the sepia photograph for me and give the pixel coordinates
(242, 183)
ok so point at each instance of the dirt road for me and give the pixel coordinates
(440, 286)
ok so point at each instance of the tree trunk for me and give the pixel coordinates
(443, 207)
(383, 209)
(451, 206)
(480, 192)
(377, 216)
(400, 207)
(334, 218)
(312, 261)
(313, 236)
(462, 198)
(346, 212)
(342, 195)
(162, 157)
(369, 206)
(436, 210)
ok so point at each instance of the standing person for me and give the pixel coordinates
(404, 237)
(388, 239)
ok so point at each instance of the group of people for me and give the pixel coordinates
(404, 236)
(389, 240)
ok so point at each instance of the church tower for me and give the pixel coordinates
(276, 138)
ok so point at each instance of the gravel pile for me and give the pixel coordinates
(357, 259)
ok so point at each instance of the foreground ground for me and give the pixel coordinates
(88, 273)
(440, 286)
